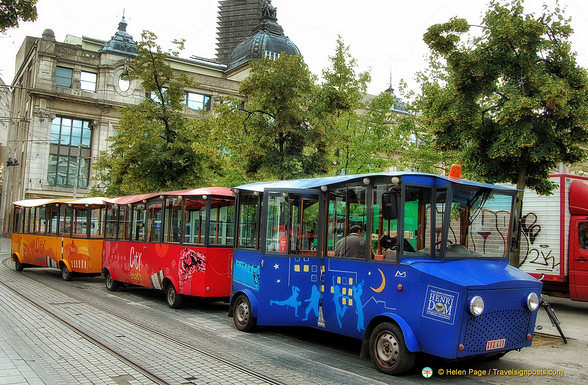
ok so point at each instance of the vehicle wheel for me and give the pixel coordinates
(17, 265)
(111, 284)
(174, 300)
(388, 349)
(65, 273)
(242, 316)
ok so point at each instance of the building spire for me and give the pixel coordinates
(121, 42)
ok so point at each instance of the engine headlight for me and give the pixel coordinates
(476, 305)
(532, 301)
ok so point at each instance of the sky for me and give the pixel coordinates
(384, 36)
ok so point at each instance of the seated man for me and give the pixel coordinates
(353, 245)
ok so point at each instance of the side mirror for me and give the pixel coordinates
(390, 205)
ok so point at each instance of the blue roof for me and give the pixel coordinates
(314, 183)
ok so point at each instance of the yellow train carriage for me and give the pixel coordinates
(65, 234)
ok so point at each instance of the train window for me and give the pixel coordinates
(154, 221)
(65, 220)
(138, 223)
(18, 219)
(111, 221)
(248, 221)
(80, 222)
(222, 216)
(173, 220)
(383, 240)
(40, 220)
(96, 222)
(195, 218)
(417, 219)
(28, 219)
(276, 232)
(52, 219)
(346, 209)
(303, 224)
(124, 221)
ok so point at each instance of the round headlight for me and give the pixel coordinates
(476, 305)
(532, 301)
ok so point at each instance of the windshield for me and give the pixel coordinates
(479, 224)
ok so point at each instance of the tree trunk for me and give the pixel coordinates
(515, 250)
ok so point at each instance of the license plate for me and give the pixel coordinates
(496, 344)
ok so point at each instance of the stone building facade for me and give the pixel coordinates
(65, 104)
(66, 98)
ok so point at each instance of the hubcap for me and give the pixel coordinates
(171, 296)
(387, 348)
(109, 280)
(242, 312)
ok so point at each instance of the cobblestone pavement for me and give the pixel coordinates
(67, 345)
(36, 348)
(199, 344)
(57, 354)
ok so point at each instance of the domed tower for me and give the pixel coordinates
(267, 40)
(121, 42)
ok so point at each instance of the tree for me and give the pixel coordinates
(275, 137)
(512, 101)
(11, 11)
(363, 131)
(336, 105)
(152, 149)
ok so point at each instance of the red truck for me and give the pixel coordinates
(554, 237)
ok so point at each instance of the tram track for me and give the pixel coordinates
(6, 264)
(156, 379)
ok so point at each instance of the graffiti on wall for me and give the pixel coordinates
(534, 254)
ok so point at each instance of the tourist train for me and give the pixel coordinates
(407, 262)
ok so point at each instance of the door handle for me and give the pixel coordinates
(581, 259)
(262, 263)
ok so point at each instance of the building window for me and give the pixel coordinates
(63, 77)
(88, 81)
(197, 101)
(123, 84)
(155, 95)
(69, 152)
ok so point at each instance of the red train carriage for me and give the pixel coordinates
(180, 242)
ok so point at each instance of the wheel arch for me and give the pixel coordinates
(15, 256)
(107, 270)
(64, 262)
(166, 281)
(252, 300)
(410, 339)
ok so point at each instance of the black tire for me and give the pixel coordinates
(388, 350)
(244, 320)
(17, 265)
(109, 282)
(65, 273)
(174, 300)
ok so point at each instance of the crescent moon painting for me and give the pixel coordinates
(382, 286)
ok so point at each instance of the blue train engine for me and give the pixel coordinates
(405, 262)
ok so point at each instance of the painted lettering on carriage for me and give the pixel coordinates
(135, 258)
(440, 304)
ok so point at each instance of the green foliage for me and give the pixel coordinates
(512, 101)
(152, 148)
(12, 11)
(278, 139)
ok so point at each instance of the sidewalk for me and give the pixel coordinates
(15, 368)
(36, 348)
